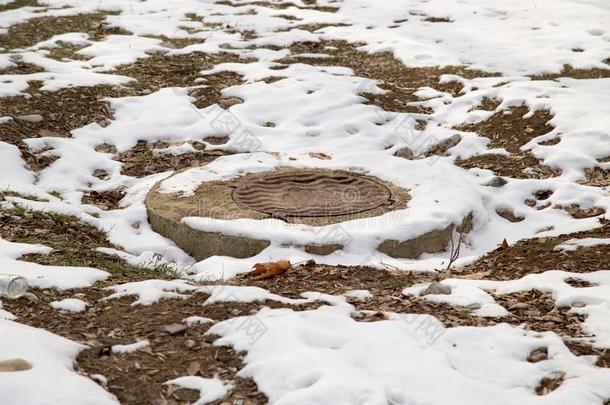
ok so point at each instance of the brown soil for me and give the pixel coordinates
(159, 70)
(597, 177)
(35, 30)
(522, 166)
(107, 200)
(62, 111)
(537, 255)
(509, 129)
(140, 160)
(336, 280)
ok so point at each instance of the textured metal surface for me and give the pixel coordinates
(311, 194)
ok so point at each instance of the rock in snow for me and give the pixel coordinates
(436, 288)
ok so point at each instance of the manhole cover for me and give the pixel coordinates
(312, 194)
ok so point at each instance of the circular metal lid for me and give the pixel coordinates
(311, 194)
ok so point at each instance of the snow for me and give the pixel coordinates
(323, 355)
(59, 277)
(151, 291)
(574, 244)
(14, 250)
(211, 389)
(52, 379)
(70, 305)
(130, 347)
(197, 320)
(327, 357)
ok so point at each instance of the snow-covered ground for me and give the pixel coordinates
(323, 355)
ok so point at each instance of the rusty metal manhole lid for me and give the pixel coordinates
(311, 194)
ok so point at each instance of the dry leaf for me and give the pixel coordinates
(193, 368)
(270, 269)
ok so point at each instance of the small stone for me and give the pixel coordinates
(445, 145)
(14, 365)
(31, 297)
(474, 306)
(497, 182)
(146, 91)
(235, 311)
(190, 343)
(435, 289)
(174, 328)
(80, 295)
(537, 355)
(520, 306)
(404, 153)
(30, 118)
(578, 304)
(357, 315)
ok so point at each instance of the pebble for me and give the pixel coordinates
(497, 182)
(578, 304)
(436, 288)
(30, 118)
(404, 153)
(146, 91)
(474, 306)
(174, 328)
(448, 143)
(14, 365)
(521, 305)
(190, 343)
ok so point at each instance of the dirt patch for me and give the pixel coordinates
(522, 166)
(210, 93)
(597, 177)
(509, 129)
(35, 30)
(336, 280)
(537, 255)
(141, 161)
(569, 71)
(61, 111)
(538, 312)
(160, 70)
(400, 80)
(580, 348)
(576, 211)
(550, 384)
(106, 200)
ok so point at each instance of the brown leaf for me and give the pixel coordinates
(270, 269)
(193, 368)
